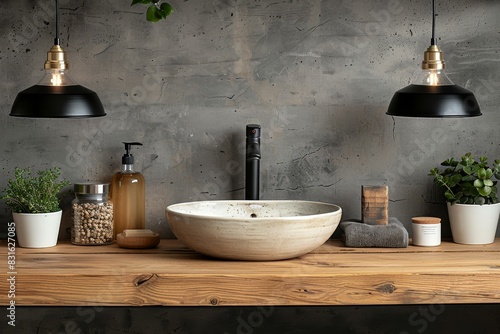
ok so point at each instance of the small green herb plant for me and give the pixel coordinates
(156, 9)
(34, 194)
(468, 181)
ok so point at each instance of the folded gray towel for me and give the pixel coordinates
(358, 234)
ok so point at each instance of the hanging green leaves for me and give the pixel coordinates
(156, 10)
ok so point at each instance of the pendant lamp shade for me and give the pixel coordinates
(40, 101)
(56, 95)
(434, 101)
(433, 94)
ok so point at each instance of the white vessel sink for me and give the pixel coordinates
(253, 230)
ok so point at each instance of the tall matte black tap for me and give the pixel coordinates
(252, 165)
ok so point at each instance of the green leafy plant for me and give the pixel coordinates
(34, 194)
(156, 10)
(468, 181)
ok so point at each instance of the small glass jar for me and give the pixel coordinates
(92, 213)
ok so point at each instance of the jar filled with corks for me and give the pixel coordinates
(92, 213)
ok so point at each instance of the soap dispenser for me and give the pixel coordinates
(128, 195)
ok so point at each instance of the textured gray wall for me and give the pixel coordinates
(317, 75)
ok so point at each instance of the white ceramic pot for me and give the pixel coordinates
(473, 224)
(37, 230)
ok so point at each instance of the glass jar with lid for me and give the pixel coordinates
(92, 213)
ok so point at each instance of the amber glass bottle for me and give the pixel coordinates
(128, 195)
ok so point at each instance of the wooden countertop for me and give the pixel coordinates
(171, 274)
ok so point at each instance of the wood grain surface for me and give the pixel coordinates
(173, 275)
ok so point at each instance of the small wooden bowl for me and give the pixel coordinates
(138, 242)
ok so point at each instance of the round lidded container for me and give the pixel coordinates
(92, 213)
(426, 231)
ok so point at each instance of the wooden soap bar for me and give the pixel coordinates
(375, 205)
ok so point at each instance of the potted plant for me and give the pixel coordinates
(35, 206)
(471, 196)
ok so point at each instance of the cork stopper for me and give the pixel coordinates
(426, 220)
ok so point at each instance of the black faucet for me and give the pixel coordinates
(252, 165)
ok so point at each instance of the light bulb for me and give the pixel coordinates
(55, 77)
(433, 77)
(433, 69)
(56, 69)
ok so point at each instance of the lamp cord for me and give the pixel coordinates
(433, 39)
(56, 39)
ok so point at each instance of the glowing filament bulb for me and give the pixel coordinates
(56, 79)
(433, 78)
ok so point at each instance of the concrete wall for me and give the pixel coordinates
(317, 75)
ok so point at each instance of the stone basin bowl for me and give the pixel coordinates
(253, 230)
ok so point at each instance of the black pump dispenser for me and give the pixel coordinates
(128, 158)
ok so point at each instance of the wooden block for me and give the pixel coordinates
(375, 205)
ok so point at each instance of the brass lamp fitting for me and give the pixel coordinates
(56, 59)
(433, 59)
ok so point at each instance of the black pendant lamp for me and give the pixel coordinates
(433, 94)
(57, 95)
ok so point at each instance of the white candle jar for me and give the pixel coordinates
(426, 231)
